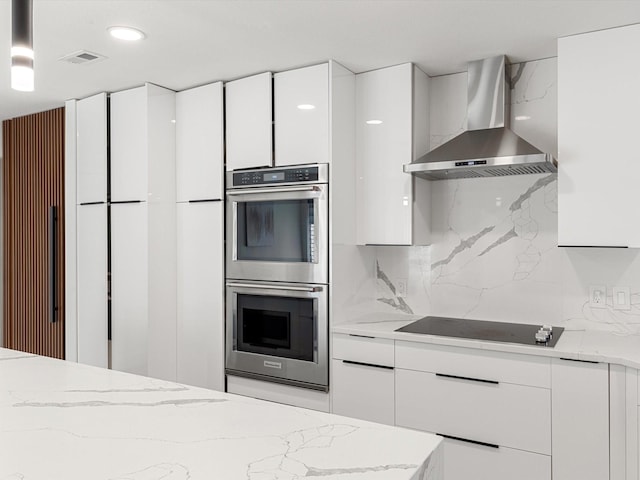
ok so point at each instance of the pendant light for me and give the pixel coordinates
(22, 45)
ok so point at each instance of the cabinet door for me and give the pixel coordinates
(91, 129)
(249, 122)
(199, 143)
(383, 146)
(466, 461)
(363, 391)
(92, 284)
(580, 418)
(200, 334)
(598, 159)
(129, 288)
(129, 137)
(301, 99)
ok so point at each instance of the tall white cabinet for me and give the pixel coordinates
(598, 159)
(392, 129)
(143, 226)
(200, 236)
(91, 230)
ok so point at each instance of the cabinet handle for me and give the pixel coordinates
(456, 377)
(475, 442)
(580, 361)
(53, 264)
(360, 336)
(316, 288)
(362, 364)
(257, 190)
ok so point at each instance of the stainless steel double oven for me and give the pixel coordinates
(277, 264)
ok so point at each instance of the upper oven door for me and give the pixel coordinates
(278, 233)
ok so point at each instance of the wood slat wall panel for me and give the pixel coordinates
(33, 180)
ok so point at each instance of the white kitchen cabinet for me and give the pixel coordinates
(392, 129)
(129, 288)
(200, 143)
(301, 114)
(495, 407)
(92, 314)
(91, 153)
(143, 233)
(249, 122)
(363, 378)
(200, 332)
(465, 461)
(143, 144)
(580, 416)
(598, 158)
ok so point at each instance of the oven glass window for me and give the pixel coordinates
(277, 326)
(276, 231)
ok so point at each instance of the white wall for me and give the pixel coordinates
(494, 253)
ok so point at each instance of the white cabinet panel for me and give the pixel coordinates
(92, 285)
(598, 158)
(363, 391)
(468, 362)
(301, 114)
(129, 149)
(92, 149)
(466, 461)
(385, 118)
(200, 333)
(379, 351)
(199, 143)
(502, 414)
(249, 122)
(580, 396)
(129, 288)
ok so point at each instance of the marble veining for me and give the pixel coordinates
(64, 421)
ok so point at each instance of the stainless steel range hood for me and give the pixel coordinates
(488, 148)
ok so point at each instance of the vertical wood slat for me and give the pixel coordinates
(33, 180)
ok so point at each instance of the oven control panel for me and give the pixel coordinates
(269, 176)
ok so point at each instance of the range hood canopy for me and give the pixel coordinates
(488, 148)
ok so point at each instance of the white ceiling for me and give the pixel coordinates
(195, 42)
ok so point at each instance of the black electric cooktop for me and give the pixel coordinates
(521, 333)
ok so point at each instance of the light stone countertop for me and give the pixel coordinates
(587, 345)
(64, 421)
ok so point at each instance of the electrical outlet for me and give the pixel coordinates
(598, 296)
(401, 287)
(621, 298)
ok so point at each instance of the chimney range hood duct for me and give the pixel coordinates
(488, 148)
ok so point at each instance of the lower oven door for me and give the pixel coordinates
(278, 332)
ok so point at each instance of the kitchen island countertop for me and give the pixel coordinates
(61, 420)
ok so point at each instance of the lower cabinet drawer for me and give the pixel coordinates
(502, 414)
(466, 461)
(363, 391)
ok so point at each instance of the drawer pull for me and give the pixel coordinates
(475, 442)
(362, 364)
(456, 377)
(360, 336)
(574, 360)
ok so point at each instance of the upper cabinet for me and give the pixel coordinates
(298, 108)
(143, 144)
(598, 160)
(301, 100)
(392, 129)
(199, 143)
(91, 147)
(249, 122)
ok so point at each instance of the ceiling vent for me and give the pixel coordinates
(82, 57)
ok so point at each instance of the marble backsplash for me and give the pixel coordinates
(494, 253)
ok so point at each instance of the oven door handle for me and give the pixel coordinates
(275, 287)
(246, 191)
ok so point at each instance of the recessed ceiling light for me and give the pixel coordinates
(129, 34)
(306, 106)
(374, 122)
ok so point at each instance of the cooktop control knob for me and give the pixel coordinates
(542, 336)
(548, 328)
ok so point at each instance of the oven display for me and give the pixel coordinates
(273, 177)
